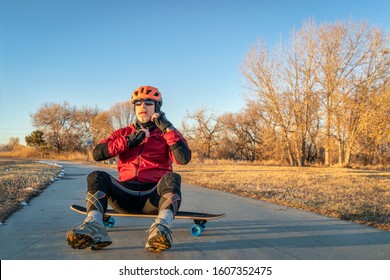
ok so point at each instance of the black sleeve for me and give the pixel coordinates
(101, 152)
(181, 152)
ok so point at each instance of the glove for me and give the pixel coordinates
(162, 123)
(134, 139)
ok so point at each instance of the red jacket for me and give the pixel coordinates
(151, 159)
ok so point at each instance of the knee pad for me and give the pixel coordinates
(169, 183)
(97, 181)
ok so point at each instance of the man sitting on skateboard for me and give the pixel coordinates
(146, 150)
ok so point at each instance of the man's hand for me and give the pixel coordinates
(134, 139)
(145, 130)
(162, 122)
(154, 116)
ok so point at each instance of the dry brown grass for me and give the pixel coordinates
(362, 196)
(21, 180)
(20, 151)
(25, 152)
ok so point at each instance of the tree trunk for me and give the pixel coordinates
(327, 132)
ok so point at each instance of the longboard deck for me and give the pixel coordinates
(179, 215)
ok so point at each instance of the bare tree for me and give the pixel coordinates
(202, 129)
(101, 127)
(373, 139)
(84, 117)
(14, 141)
(282, 88)
(244, 134)
(121, 114)
(352, 59)
(57, 122)
(299, 77)
(322, 78)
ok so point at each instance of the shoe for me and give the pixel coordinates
(89, 234)
(159, 239)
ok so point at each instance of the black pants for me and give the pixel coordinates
(133, 196)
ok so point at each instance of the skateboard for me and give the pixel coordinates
(200, 219)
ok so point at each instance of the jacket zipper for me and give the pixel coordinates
(139, 161)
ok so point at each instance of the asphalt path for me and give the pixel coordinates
(251, 229)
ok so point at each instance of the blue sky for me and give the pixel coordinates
(96, 52)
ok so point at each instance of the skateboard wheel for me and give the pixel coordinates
(109, 223)
(196, 230)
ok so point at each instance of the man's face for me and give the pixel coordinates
(144, 110)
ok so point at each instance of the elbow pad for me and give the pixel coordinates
(181, 152)
(101, 152)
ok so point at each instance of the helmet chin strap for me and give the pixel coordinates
(157, 108)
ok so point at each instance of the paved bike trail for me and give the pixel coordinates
(252, 229)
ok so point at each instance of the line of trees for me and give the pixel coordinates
(323, 97)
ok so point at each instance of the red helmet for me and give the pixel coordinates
(147, 92)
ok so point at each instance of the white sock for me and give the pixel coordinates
(94, 215)
(165, 216)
